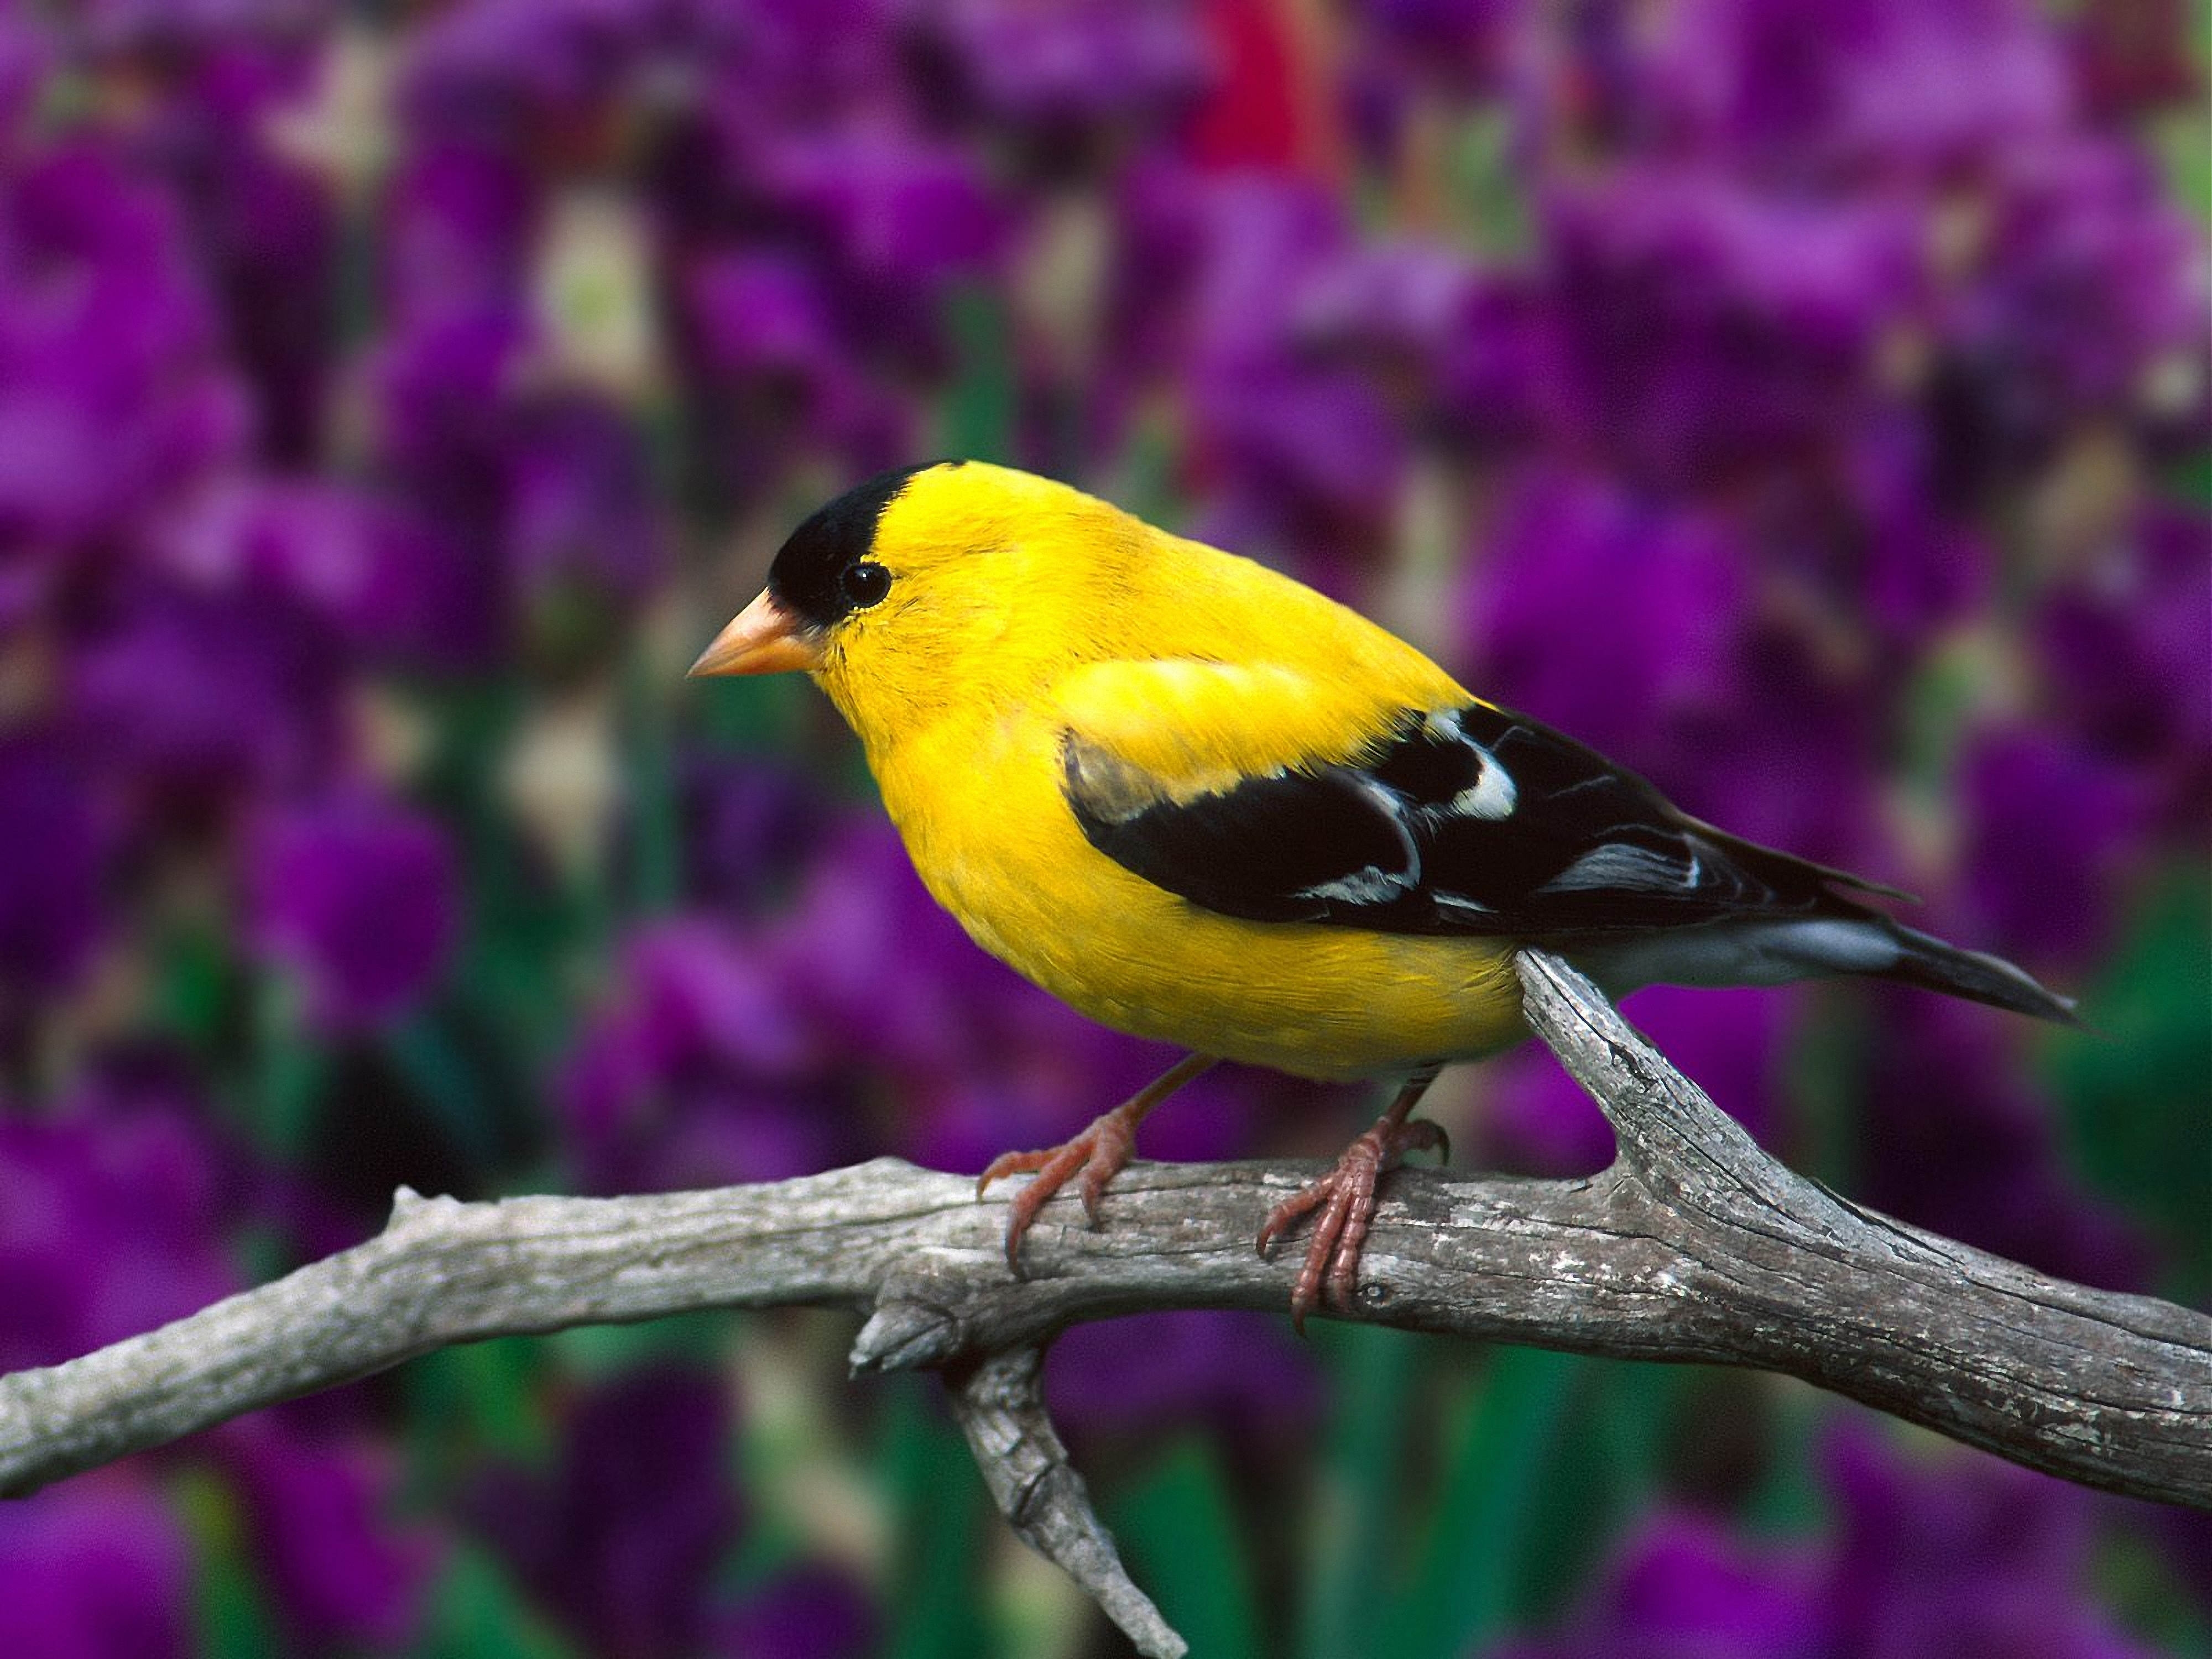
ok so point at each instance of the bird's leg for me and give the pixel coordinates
(1100, 1151)
(1345, 1198)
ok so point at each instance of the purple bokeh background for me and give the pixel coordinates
(1809, 407)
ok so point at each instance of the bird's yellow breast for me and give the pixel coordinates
(1004, 854)
(1020, 610)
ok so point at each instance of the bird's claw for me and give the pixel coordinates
(1100, 1153)
(1346, 1199)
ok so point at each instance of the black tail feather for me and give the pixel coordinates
(1930, 963)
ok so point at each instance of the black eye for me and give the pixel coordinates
(865, 584)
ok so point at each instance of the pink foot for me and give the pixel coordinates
(1345, 1198)
(1100, 1153)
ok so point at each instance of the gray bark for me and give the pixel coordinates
(1694, 1245)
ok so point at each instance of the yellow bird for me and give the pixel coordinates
(1197, 802)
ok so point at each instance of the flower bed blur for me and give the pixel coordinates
(1807, 407)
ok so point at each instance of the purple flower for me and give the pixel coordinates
(264, 228)
(59, 836)
(1966, 1556)
(318, 1517)
(1255, 240)
(2052, 831)
(731, 84)
(1578, 577)
(1205, 276)
(202, 697)
(536, 76)
(322, 548)
(1684, 1588)
(1321, 440)
(1881, 543)
(898, 219)
(896, 209)
(274, 233)
(120, 1217)
(748, 826)
(775, 373)
(1159, 248)
(1404, 302)
(760, 313)
(1406, 61)
(523, 495)
(966, 1059)
(444, 390)
(113, 1227)
(627, 1537)
(623, 1537)
(179, 26)
(1734, 1044)
(2126, 644)
(1706, 332)
(459, 224)
(1460, 43)
(1068, 78)
(1873, 88)
(1301, 452)
(358, 896)
(700, 1071)
(97, 1568)
(2084, 303)
(812, 1612)
(1639, 629)
(2131, 60)
(1958, 1141)
(27, 53)
(112, 397)
(580, 512)
(1237, 1375)
(1494, 373)
(443, 386)
(1970, 1557)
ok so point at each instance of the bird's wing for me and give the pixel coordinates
(1461, 819)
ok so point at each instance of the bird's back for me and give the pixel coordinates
(1200, 668)
(1204, 803)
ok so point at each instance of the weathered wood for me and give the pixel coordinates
(1694, 1245)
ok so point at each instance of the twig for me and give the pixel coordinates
(999, 1402)
(1694, 1245)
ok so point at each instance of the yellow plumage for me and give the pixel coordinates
(1202, 803)
(1195, 665)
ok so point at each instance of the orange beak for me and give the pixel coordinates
(763, 638)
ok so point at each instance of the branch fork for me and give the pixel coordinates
(1694, 1245)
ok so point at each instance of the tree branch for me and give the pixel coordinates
(1694, 1245)
(999, 1402)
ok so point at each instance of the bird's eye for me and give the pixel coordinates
(865, 584)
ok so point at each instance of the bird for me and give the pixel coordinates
(1201, 803)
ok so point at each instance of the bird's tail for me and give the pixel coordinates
(1927, 961)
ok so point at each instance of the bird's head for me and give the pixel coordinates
(956, 582)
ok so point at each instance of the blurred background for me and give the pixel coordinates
(1806, 405)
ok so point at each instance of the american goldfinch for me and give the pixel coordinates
(1197, 802)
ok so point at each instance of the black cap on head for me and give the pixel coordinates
(808, 578)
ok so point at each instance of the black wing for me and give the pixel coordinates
(1474, 820)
